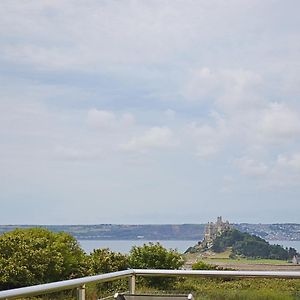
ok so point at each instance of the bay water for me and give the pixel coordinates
(124, 246)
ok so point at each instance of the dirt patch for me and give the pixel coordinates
(258, 267)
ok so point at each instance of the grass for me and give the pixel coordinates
(204, 289)
(223, 257)
(243, 289)
(239, 289)
(246, 261)
(233, 289)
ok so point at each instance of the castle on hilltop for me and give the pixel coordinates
(212, 230)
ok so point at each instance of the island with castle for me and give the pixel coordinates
(211, 232)
(220, 236)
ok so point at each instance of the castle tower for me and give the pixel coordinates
(212, 230)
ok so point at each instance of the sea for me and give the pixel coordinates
(124, 246)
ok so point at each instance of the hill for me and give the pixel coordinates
(245, 245)
(123, 231)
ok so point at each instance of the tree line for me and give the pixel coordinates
(37, 256)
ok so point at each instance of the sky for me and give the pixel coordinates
(149, 111)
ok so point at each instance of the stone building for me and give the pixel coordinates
(212, 230)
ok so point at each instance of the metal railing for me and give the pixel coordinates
(80, 283)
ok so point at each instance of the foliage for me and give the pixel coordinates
(35, 256)
(155, 256)
(247, 245)
(227, 239)
(201, 265)
(106, 261)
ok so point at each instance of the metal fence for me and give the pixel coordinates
(80, 283)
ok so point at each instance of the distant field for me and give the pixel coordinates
(223, 260)
(246, 261)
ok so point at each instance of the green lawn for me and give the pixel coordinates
(223, 257)
(245, 261)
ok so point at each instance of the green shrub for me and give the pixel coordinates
(106, 261)
(35, 256)
(201, 265)
(155, 256)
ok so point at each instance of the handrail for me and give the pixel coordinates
(80, 282)
(62, 285)
(219, 273)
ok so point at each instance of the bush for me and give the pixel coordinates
(201, 265)
(155, 256)
(35, 256)
(106, 261)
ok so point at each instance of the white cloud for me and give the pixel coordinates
(60, 59)
(202, 83)
(280, 123)
(153, 138)
(76, 154)
(111, 34)
(208, 139)
(292, 162)
(240, 90)
(98, 34)
(252, 120)
(127, 119)
(102, 119)
(251, 167)
(227, 89)
(170, 113)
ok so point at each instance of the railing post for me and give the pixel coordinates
(81, 292)
(132, 284)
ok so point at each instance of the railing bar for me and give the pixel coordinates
(218, 273)
(81, 293)
(132, 284)
(75, 283)
(62, 285)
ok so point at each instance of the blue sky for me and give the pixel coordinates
(141, 111)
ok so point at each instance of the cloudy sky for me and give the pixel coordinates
(149, 111)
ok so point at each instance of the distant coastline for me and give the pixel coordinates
(271, 232)
(124, 246)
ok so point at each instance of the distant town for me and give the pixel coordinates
(280, 232)
(276, 232)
